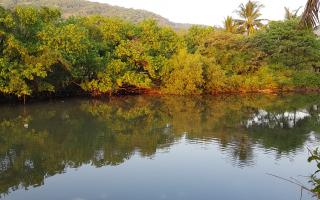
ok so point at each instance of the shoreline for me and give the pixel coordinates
(149, 92)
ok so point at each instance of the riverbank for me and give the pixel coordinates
(147, 92)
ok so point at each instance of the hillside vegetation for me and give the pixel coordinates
(85, 8)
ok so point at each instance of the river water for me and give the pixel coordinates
(159, 147)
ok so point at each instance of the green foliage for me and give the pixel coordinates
(315, 180)
(232, 53)
(72, 43)
(23, 63)
(230, 25)
(136, 55)
(107, 33)
(186, 74)
(196, 37)
(44, 54)
(306, 79)
(215, 78)
(250, 14)
(288, 45)
(160, 44)
(115, 77)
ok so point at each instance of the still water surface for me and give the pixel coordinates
(143, 148)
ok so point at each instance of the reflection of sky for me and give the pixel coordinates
(185, 171)
(271, 119)
(227, 164)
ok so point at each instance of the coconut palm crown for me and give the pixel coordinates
(250, 14)
(230, 25)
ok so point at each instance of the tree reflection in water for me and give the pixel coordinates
(59, 135)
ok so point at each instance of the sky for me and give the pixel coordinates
(207, 12)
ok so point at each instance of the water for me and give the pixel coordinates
(159, 148)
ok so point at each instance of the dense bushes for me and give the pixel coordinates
(306, 79)
(186, 75)
(42, 53)
(287, 44)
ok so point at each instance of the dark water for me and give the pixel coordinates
(143, 148)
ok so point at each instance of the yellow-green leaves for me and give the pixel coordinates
(26, 15)
(71, 40)
(7, 21)
(250, 14)
(186, 76)
(289, 45)
(42, 53)
(24, 65)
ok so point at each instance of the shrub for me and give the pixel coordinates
(289, 45)
(186, 74)
(215, 79)
(306, 79)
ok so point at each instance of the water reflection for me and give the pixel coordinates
(44, 139)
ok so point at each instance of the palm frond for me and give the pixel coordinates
(296, 12)
(291, 14)
(249, 14)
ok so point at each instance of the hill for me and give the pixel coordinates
(84, 8)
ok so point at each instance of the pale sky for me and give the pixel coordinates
(208, 12)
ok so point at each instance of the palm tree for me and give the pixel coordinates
(249, 14)
(291, 14)
(230, 25)
(310, 16)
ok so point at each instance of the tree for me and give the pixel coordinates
(117, 76)
(249, 14)
(310, 16)
(186, 75)
(195, 37)
(230, 25)
(288, 45)
(231, 52)
(74, 49)
(159, 44)
(23, 64)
